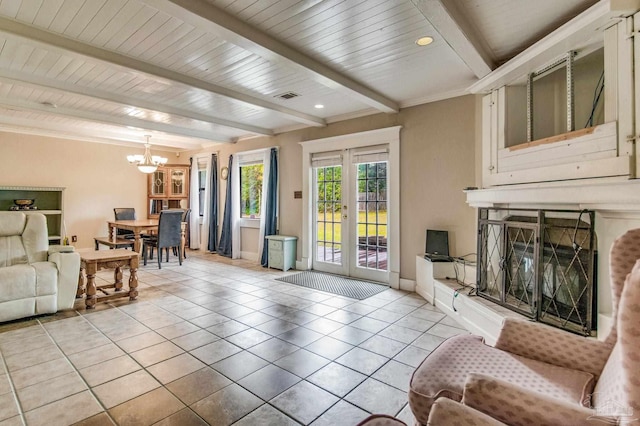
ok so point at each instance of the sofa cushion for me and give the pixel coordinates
(12, 223)
(35, 237)
(19, 308)
(17, 282)
(444, 372)
(12, 251)
(46, 278)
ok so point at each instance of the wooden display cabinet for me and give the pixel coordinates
(168, 188)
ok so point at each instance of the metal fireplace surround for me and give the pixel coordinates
(539, 263)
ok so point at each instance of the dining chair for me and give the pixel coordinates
(168, 236)
(125, 213)
(186, 216)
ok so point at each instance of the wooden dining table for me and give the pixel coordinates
(139, 226)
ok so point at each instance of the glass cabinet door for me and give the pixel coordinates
(158, 183)
(178, 186)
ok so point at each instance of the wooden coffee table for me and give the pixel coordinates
(93, 261)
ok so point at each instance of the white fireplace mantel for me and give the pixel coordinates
(605, 196)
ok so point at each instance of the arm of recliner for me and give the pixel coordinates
(60, 249)
(447, 412)
(519, 406)
(68, 264)
(554, 346)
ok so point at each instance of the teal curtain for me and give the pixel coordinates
(224, 248)
(271, 207)
(213, 206)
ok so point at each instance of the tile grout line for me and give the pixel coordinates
(162, 386)
(13, 388)
(95, 397)
(258, 286)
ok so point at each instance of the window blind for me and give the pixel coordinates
(326, 159)
(370, 154)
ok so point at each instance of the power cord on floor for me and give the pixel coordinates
(453, 300)
(461, 280)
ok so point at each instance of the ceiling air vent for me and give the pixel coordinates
(287, 95)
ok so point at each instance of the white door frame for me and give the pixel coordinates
(390, 136)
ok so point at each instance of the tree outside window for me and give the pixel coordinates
(251, 190)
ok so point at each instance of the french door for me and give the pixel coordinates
(350, 214)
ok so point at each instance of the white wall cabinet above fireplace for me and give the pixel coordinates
(513, 151)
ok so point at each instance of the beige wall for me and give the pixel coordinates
(97, 178)
(437, 144)
(437, 154)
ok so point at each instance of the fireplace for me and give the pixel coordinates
(539, 263)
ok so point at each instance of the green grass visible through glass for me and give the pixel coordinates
(335, 233)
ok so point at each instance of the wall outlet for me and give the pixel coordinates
(74, 238)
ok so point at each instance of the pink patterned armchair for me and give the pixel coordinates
(539, 375)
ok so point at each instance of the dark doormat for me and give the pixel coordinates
(335, 284)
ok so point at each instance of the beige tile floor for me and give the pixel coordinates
(218, 342)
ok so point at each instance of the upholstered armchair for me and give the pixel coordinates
(34, 278)
(381, 420)
(539, 375)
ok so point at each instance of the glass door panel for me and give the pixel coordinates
(371, 221)
(158, 183)
(178, 182)
(328, 214)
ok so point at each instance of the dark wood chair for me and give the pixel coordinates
(168, 236)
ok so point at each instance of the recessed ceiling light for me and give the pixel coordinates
(424, 41)
(319, 106)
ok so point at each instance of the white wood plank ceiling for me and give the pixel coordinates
(196, 72)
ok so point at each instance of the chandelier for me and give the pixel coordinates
(146, 163)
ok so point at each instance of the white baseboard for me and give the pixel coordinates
(247, 255)
(407, 285)
(301, 265)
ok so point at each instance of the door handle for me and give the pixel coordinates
(344, 216)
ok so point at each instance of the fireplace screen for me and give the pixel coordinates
(539, 263)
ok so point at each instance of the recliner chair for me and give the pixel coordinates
(34, 278)
(540, 375)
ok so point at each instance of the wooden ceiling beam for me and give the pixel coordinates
(70, 46)
(458, 33)
(109, 119)
(212, 19)
(56, 86)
